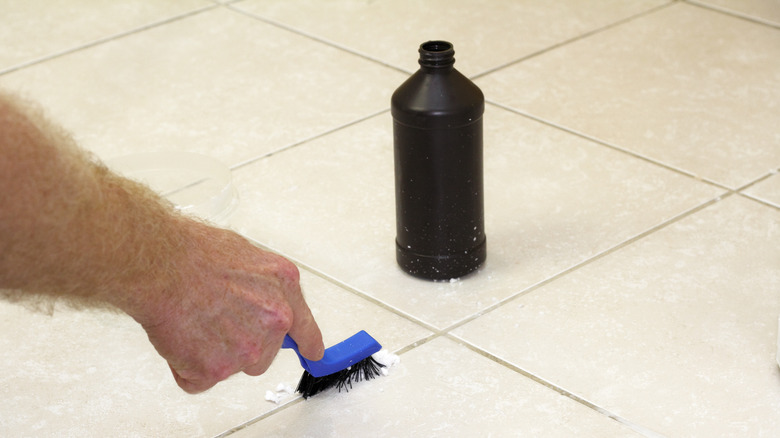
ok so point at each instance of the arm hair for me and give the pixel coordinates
(69, 228)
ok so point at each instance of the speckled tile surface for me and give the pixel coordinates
(691, 88)
(767, 190)
(632, 286)
(440, 389)
(484, 37)
(36, 29)
(212, 83)
(683, 320)
(762, 10)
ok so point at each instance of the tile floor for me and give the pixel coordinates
(632, 158)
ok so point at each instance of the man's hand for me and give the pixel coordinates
(228, 311)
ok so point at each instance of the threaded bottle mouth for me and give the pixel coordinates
(436, 54)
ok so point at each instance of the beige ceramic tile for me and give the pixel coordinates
(92, 374)
(484, 37)
(763, 10)
(34, 29)
(687, 86)
(552, 201)
(218, 83)
(767, 190)
(440, 389)
(676, 332)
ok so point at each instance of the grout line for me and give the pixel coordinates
(734, 13)
(588, 261)
(491, 70)
(761, 201)
(313, 37)
(259, 418)
(758, 180)
(574, 39)
(611, 146)
(307, 140)
(740, 191)
(753, 198)
(436, 331)
(550, 385)
(371, 299)
(300, 399)
(418, 343)
(109, 38)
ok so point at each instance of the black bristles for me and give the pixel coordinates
(366, 369)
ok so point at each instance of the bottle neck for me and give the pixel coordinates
(437, 56)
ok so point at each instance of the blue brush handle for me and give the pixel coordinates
(338, 357)
(290, 344)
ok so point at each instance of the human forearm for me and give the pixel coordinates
(68, 226)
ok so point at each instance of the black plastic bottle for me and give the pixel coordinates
(437, 130)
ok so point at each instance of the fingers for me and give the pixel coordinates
(304, 329)
(197, 382)
(193, 385)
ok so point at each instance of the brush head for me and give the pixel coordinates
(341, 365)
(366, 369)
(338, 357)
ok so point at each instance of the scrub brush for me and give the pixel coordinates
(344, 363)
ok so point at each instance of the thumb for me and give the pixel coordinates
(305, 331)
(309, 340)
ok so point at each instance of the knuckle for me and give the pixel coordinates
(281, 318)
(287, 270)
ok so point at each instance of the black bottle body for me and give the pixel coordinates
(437, 129)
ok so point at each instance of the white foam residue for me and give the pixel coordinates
(273, 397)
(283, 391)
(387, 359)
(284, 388)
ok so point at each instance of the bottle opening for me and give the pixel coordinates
(436, 54)
(436, 46)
